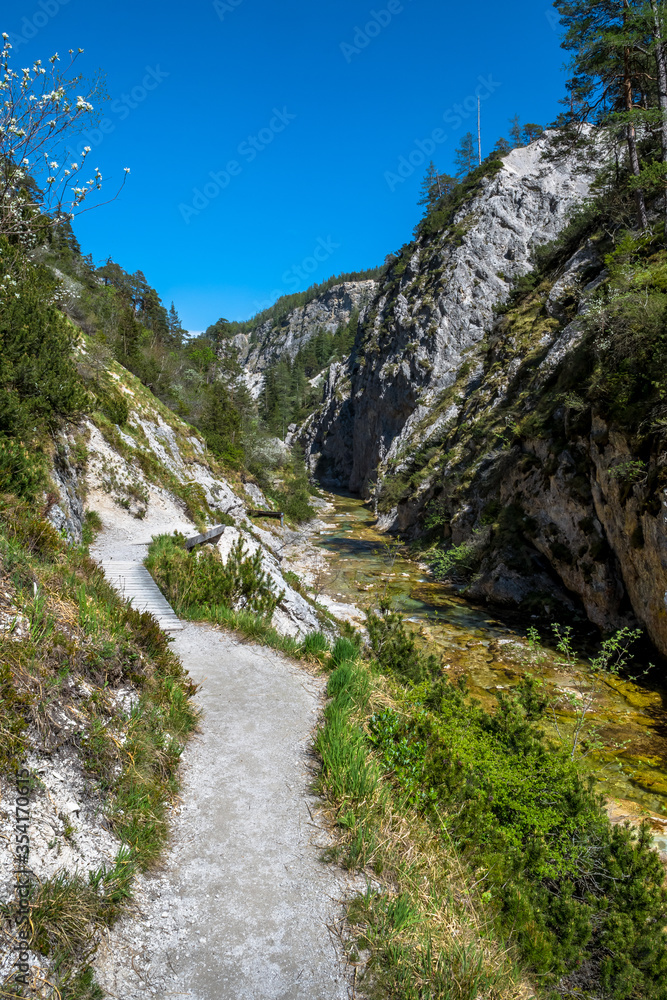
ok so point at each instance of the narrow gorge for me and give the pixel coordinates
(462, 413)
(333, 637)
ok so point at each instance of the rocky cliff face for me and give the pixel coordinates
(281, 338)
(435, 305)
(463, 424)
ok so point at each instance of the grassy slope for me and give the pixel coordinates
(83, 643)
(493, 870)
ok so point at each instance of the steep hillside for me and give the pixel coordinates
(480, 433)
(283, 337)
(146, 472)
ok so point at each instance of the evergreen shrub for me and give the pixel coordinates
(576, 894)
(200, 577)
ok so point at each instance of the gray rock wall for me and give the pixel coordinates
(419, 327)
(328, 312)
(547, 523)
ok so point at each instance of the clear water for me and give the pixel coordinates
(631, 765)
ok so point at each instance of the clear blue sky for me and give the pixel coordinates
(311, 115)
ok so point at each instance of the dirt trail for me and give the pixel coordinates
(242, 908)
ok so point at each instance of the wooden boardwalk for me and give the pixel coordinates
(133, 582)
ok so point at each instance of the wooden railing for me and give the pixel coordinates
(213, 533)
(208, 536)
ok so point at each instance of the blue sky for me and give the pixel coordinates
(265, 139)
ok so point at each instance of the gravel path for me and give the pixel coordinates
(242, 908)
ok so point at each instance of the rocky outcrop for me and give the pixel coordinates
(451, 417)
(329, 311)
(66, 512)
(436, 304)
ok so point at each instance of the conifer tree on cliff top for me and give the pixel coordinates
(619, 80)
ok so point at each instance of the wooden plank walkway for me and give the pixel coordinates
(133, 582)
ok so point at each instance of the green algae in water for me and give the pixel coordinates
(632, 721)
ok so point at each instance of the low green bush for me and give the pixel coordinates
(567, 886)
(113, 404)
(22, 471)
(395, 649)
(458, 560)
(200, 577)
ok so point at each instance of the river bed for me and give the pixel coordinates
(629, 760)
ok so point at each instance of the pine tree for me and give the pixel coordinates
(608, 67)
(221, 424)
(154, 315)
(129, 335)
(220, 331)
(174, 326)
(656, 34)
(434, 186)
(138, 290)
(531, 132)
(429, 190)
(515, 132)
(465, 157)
(501, 148)
(114, 275)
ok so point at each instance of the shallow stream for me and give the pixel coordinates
(629, 761)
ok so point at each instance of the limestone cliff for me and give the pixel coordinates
(468, 425)
(275, 338)
(436, 303)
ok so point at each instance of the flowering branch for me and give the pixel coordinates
(39, 109)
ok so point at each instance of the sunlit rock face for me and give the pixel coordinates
(284, 337)
(421, 323)
(435, 374)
